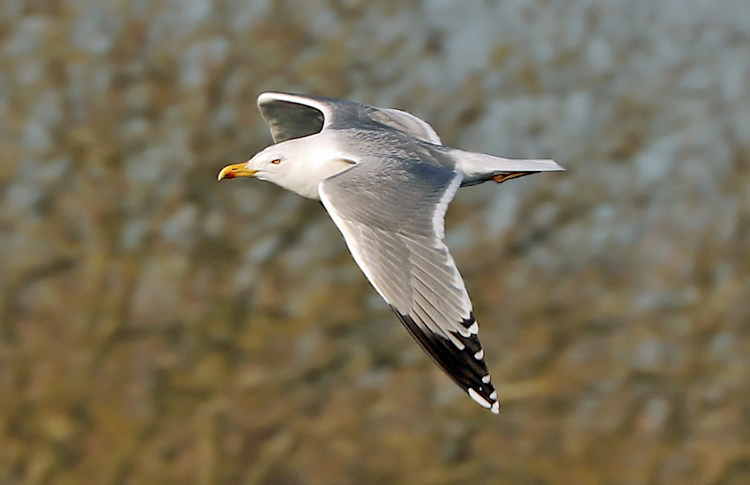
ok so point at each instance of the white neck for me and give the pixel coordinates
(313, 159)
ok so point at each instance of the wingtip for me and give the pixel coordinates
(266, 96)
(479, 399)
(493, 405)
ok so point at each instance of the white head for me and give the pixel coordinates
(298, 165)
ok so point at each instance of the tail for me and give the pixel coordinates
(478, 167)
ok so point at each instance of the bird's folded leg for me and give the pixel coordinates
(502, 177)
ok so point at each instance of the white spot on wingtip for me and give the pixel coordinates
(479, 399)
(495, 407)
(474, 329)
(486, 379)
(479, 355)
(493, 396)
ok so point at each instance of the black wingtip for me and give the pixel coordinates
(465, 366)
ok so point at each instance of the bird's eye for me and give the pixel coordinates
(276, 161)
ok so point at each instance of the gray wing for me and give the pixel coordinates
(406, 122)
(296, 116)
(391, 215)
(292, 116)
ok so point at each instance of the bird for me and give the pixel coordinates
(386, 180)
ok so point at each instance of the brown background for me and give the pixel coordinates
(159, 327)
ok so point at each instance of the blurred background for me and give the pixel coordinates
(159, 327)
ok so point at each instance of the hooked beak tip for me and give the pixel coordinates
(236, 170)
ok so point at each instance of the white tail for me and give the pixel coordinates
(479, 167)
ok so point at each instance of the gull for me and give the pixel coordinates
(386, 180)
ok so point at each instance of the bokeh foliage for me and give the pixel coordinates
(158, 327)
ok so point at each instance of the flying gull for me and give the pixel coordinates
(386, 180)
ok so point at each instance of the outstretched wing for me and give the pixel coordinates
(407, 122)
(296, 116)
(391, 212)
(293, 116)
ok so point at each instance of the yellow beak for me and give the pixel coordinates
(236, 170)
